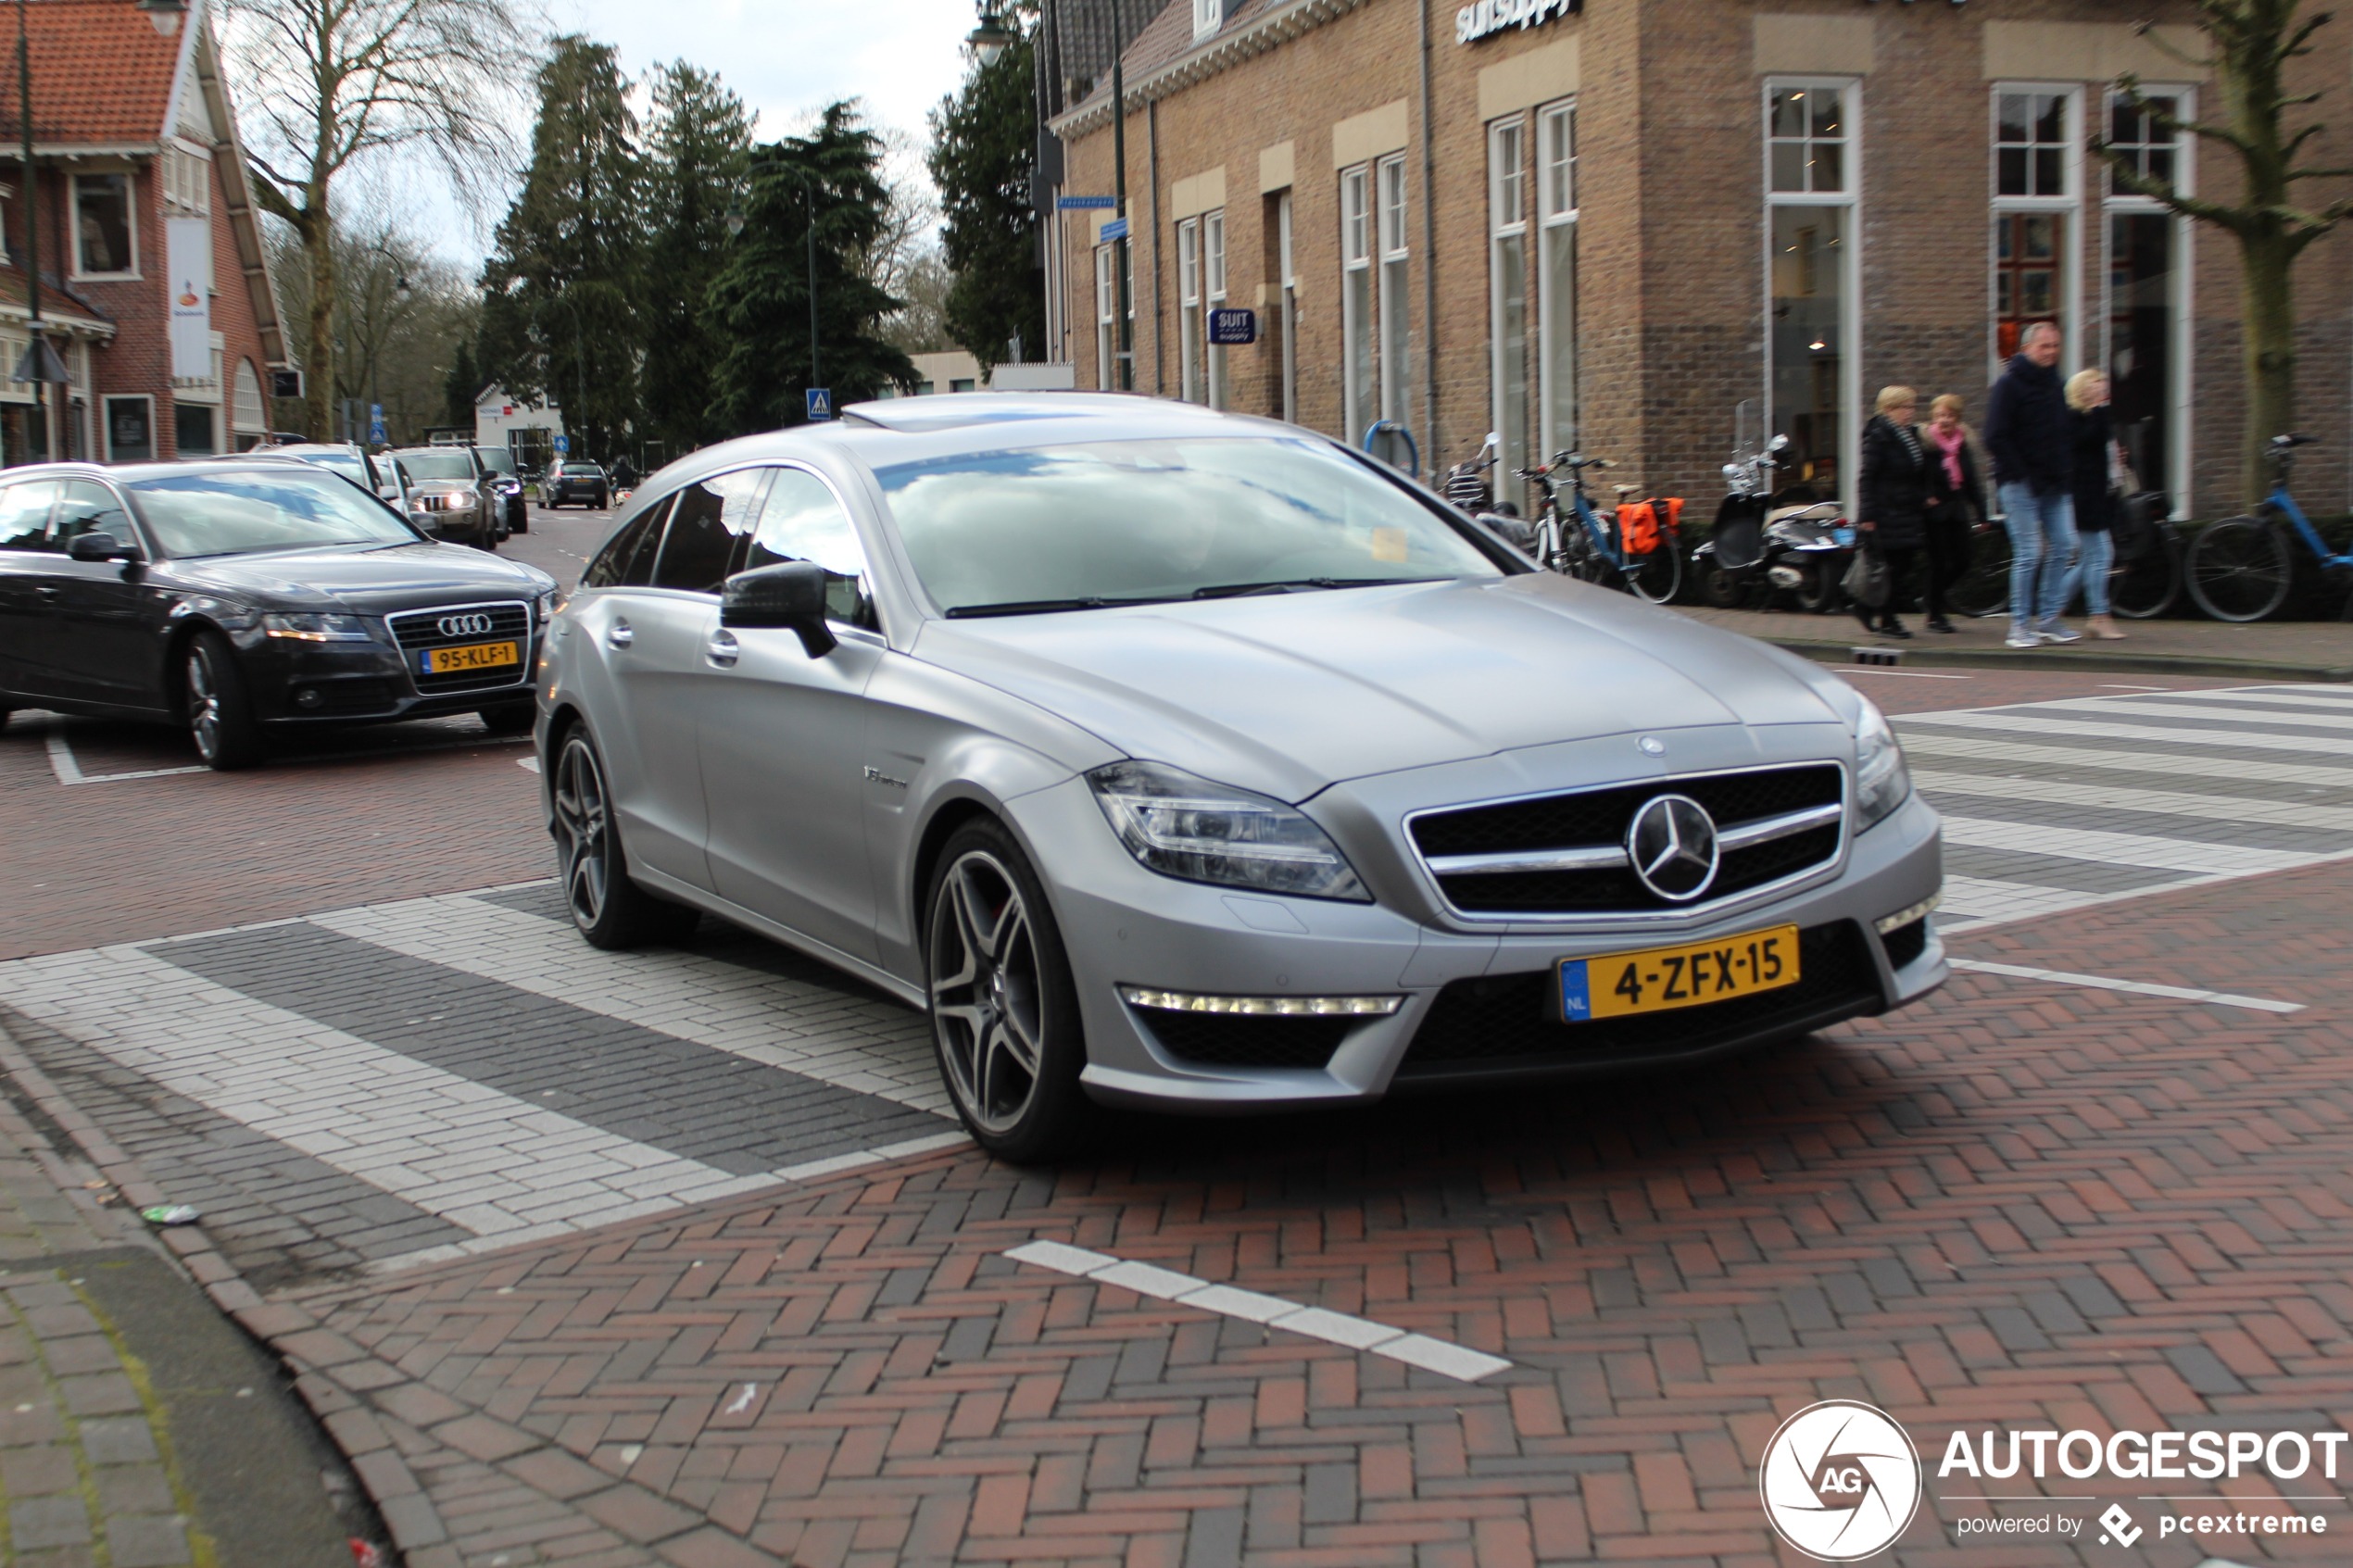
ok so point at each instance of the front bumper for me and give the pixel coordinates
(1470, 995)
(294, 683)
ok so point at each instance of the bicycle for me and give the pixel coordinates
(1591, 552)
(2240, 569)
(2140, 586)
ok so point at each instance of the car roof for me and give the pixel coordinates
(269, 459)
(300, 448)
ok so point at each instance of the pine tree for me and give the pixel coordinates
(697, 148)
(759, 304)
(463, 384)
(983, 148)
(564, 297)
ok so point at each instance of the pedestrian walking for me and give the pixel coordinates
(2092, 492)
(1956, 502)
(2028, 431)
(1893, 520)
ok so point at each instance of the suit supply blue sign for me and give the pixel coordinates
(1233, 327)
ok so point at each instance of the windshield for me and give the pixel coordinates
(346, 463)
(495, 460)
(437, 465)
(1162, 520)
(590, 470)
(236, 514)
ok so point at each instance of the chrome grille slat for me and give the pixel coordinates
(414, 631)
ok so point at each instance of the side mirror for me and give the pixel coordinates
(790, 596)
(1779, 444)
(100, 547)
(1494, 442)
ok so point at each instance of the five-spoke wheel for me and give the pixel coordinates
(610, 909)
(221, 721)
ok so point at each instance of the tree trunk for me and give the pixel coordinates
(2268, 306)
(318, 360)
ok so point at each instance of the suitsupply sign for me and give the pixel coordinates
(1483, 18)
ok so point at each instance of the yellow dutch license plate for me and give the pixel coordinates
(473, 656)
(1692, 974)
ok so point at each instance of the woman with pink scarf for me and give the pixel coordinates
(1955, 500)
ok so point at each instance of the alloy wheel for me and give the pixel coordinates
(583, 831)
(987, 997)
(204, 704)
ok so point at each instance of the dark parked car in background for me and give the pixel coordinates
(506, 476)
(585, 482)
(239, 596)
(452, 496)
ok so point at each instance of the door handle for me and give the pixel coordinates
(619, 635)
(722, 650)
(47, 590)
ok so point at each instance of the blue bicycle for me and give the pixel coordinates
(1591, 550)
(2241, 568)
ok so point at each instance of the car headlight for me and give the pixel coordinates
(545, 606)
(1882, 781)
(1184, 826)
(305, 626)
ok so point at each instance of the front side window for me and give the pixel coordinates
(1812, 374)
(1356, 300)
(615, 565)
(247, 513)
(1556, 276)
(1161, 520)
(102, 242)
(801, 520)
(2035, 220)
(88, 507)
(708, 523)
(1507, 279)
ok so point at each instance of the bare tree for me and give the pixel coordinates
(339, 82)
(909, 218)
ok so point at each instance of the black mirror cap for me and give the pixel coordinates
(789, 595)
(100, 547)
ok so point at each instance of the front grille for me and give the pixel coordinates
(1223, 1039)
(1509, 1023)
(1601, 816)
(1906, 943)
(416, 630)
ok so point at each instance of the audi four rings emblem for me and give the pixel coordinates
(464, 625)
(1672, 845)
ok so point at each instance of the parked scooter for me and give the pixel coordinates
(1467, 487)
(1761, 545)
(1807, 551)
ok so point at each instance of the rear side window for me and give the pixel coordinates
(91, 508)
(612, 567)
(802, 522)
(707, 524)
(24, 515)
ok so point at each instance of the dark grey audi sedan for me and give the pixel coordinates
(241, 597)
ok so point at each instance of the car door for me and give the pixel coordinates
(107, 624)
(783, 735)
(31, 663)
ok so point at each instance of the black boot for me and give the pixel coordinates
(1891, 627)
(1938, 623)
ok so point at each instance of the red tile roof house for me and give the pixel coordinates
(132, 132)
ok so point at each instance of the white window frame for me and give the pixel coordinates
(1107, 317)
(187, 178)
(130, 205)
(2070, 203)
(1508, 212)
(1285, 261)
(1355, 257)
(1395, 338)
(1190, 330)
(1849, 196)
(2116, 203)
(1212, 267)
(1556, 220)
(1208, 17)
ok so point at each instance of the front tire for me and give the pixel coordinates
(218, 709)
(1004, 1009)
(2146, 586)
(606, 906)
(2239, 569)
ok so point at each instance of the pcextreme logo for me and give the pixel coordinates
(1840, 1480)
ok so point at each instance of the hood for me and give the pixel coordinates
(368, 582)
(1287, 693)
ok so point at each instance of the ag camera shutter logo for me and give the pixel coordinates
(1840, 1480)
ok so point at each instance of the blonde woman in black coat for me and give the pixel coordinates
(1893, 520)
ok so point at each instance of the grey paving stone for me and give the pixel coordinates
(118, 1440)
(133, 1541)
(42, 1522)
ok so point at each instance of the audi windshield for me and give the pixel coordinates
(244, 513)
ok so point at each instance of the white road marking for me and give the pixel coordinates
(2070, 902)
(2088, 727)
(2026, 758)
(2138, 987)
(68, 768)
(1448, 1360)
(1908, 674)
(528, 763)
(1985, 900)
(2250, 717)
(2166, 802)
(2119, 848)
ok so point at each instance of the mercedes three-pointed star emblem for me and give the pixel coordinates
(1672, 845)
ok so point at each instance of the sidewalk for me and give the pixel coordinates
(2283, 650)
(138, 1427)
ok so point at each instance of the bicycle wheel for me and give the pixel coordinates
(1656, 576)
(1580, 559)
(2148, 583)
(1983, 587)
(2239, 569)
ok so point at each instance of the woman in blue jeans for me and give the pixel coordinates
(2093, 496)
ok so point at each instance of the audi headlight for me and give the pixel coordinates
(1187, 827)
(544, 607)
(303, 626)
(1882, 781)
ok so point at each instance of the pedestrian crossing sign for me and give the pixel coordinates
(821, 402)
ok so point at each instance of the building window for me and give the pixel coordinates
(1507, 282)
(193, 426)
(1396, 319)
(187, 179)
(1288, 282)
(1208, 17)
(1356, 300)
(248, 417)
(102, 231)
(1812, 373)
(131, 430)
(1188, 326)
(2147, 298)
(1556, 286)
(1107, 361)
(2035, 196)
(1212, 267)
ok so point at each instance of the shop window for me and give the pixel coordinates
(102, 231)
(1508, 283)
(2035, 219)
(193, 425)
(1188, 327)
(1556, 300)
(131, 429)
(2146, 297)
(1356, 300)
(1396, 316)
(1812, 376)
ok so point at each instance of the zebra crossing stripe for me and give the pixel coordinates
(2037, 753)
(2239, 718)
(2119, 848)
(1984, 788)
(2089, 727)
(2262, 697)
(2137, 988)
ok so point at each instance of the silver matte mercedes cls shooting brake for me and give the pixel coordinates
(1190, 760)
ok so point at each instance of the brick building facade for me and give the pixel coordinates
(132, 132)
(1661, 210)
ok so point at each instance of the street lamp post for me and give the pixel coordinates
(1123, 261)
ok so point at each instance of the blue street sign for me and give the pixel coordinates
(1114, 229)
(1233, 327)
(563, 445)
(376, 423)
(1079, 204)
(821, 402)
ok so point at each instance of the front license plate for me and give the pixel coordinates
(473, 656)
(1693, 974)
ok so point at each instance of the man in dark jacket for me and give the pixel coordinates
(2027, 430)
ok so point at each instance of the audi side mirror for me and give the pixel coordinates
(100, 547)
(788, 597)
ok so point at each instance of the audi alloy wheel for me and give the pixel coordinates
(221, 721)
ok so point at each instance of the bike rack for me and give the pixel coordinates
(1413, 450)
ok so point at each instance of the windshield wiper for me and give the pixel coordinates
(1045, 607)
(1284, 585)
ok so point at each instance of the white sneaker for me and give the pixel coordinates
(2058, 634)
(2020, 638)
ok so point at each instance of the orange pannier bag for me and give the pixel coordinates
(1639, 524)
